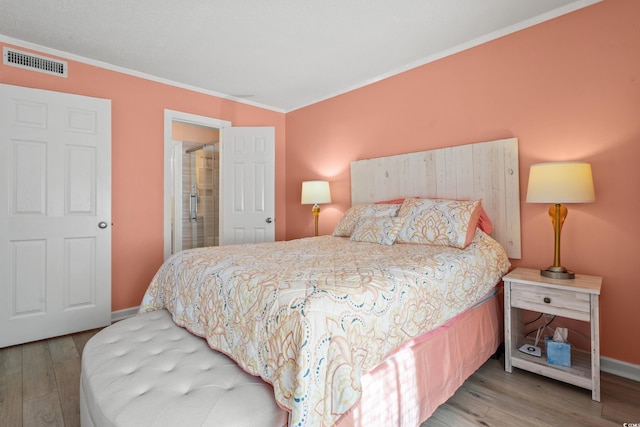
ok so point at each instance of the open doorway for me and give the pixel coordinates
(246, 202)
(191, 181)
(195, 217)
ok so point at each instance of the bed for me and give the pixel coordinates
(381, 311)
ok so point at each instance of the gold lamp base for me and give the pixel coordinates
(558, 273)
(557, 213)
(316, 214)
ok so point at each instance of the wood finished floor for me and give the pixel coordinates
(39, 386)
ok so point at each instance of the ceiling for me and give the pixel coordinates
(278, 54)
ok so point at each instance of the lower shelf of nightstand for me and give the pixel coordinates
(579, 374)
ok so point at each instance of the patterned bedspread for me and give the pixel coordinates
(310, 316)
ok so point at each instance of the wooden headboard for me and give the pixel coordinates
(485, 170)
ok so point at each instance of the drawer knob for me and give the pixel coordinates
(547, 300)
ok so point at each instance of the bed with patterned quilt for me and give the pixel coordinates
(380, 322)
(310, 316)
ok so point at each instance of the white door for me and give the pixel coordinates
(247, 185)
(55, 214)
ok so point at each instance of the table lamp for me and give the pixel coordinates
(558, 183)
(315, 193)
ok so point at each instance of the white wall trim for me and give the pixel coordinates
(123, 314)
(571, 7)
(73, 57)
(620, 368)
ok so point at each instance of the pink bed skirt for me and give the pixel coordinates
(410, 385)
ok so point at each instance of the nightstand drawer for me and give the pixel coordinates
(551, 301)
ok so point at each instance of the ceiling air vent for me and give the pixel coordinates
(30, 61)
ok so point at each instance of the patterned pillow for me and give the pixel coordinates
(355, 213)
(382, 230)
(439, 222)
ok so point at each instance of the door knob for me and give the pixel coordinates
(269, 220)
(102, 224)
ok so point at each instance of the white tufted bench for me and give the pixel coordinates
(146, 371)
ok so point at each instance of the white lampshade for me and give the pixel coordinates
(560, 182)
(315, 192)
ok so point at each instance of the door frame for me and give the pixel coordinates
(171, 116)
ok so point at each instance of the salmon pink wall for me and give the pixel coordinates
(137, 108)
(568, 89)
(192, 133)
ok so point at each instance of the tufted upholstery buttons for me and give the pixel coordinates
(146, 371)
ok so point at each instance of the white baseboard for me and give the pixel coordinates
(123, 314)
(620, 368)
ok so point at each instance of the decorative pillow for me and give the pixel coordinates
(484, 223)
(439, 222)
(348, 222)
(382, 230)
(391, 202)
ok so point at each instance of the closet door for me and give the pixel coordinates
(55, 214)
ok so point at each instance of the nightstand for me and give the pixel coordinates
(570, 298)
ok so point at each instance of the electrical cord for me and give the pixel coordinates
(534, 320)
(544, 327)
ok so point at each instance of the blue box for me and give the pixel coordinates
(559, 353)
